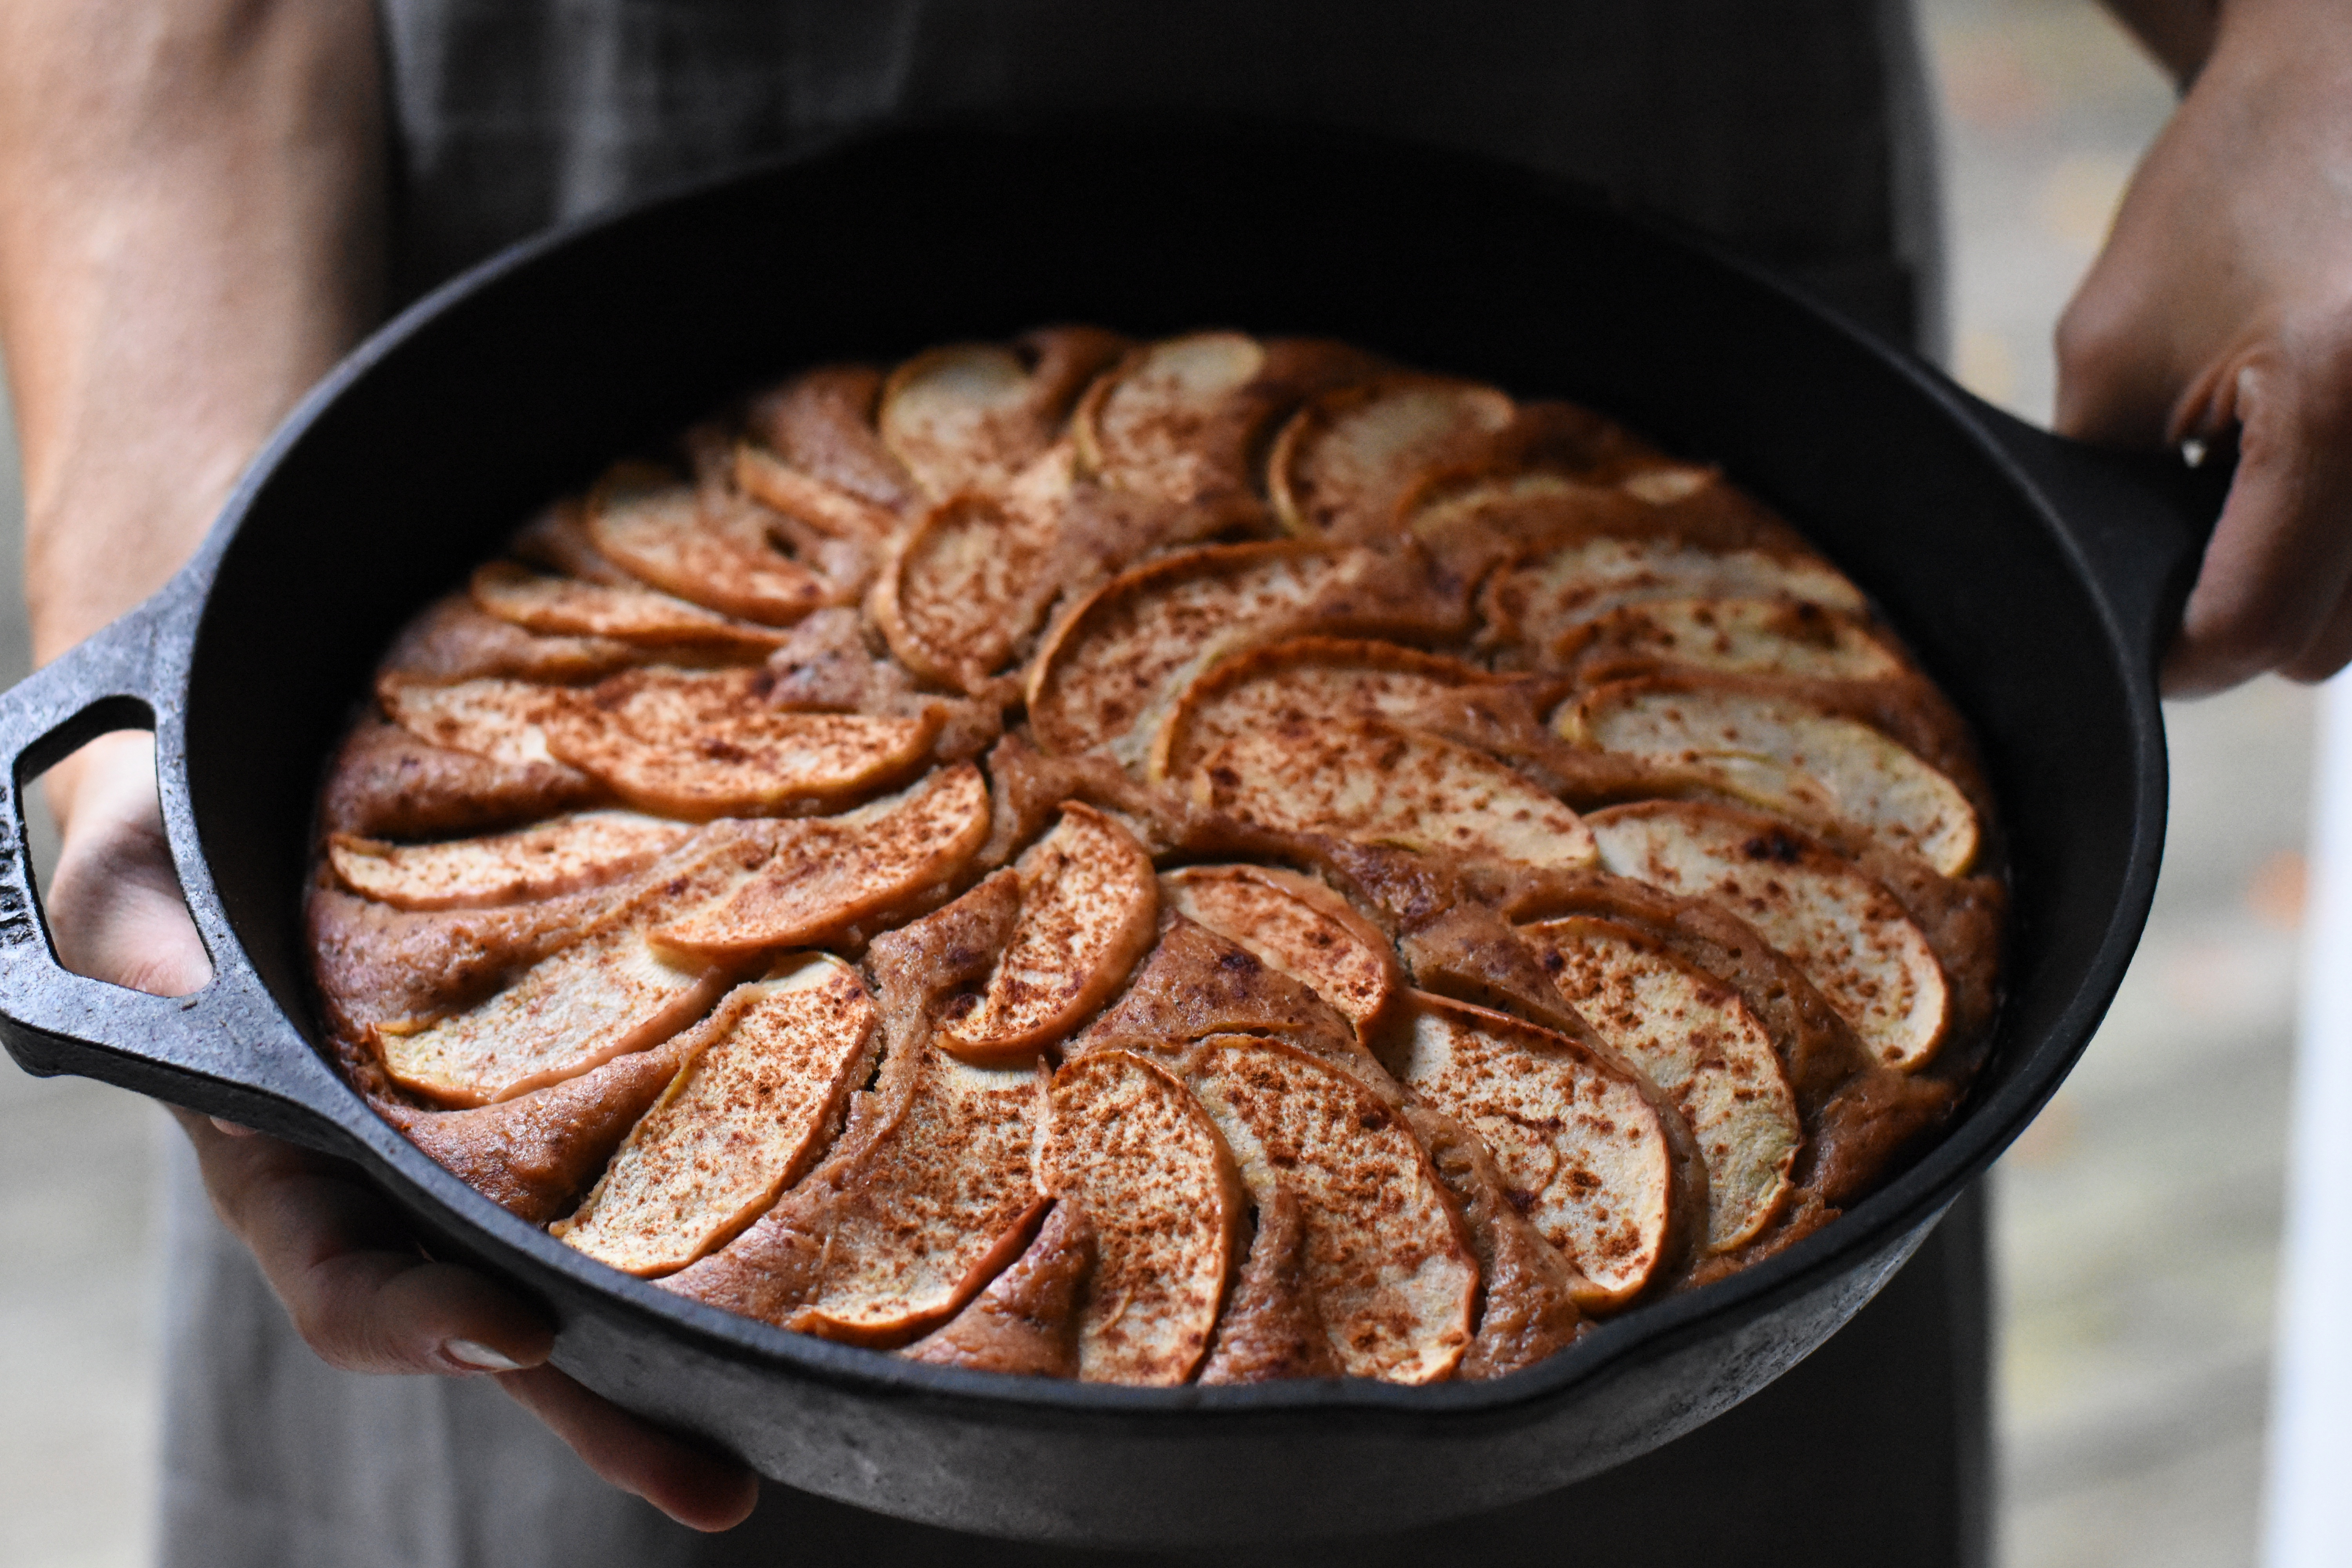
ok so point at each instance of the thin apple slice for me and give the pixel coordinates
(468, 1007)
(1272, 1327)
(1026, 1323)
(1140, 426)
(928, 1193)
(700, 745)
(553, 858)
(534, 1155)
(1312, 679)
(1692, 1035)
(1864, 777)
(1089, 908)
(1530, 1290)
(831, 876)
(456, 639)
(1727, 636)
(1299, 926)
(1359, 779)
(1587, 1157)
(821, 424)
(970, 415)
(1183, 422)
(1546, 598)
(492, 718)
(1847, 934)
(764, 1084)
(1345, 459)
(785, 490)
(1110, 671)
(973, 578)
(936, 1208)
(708, 550)
(567, 606)
(1386, 1257)
(602, 997)
(1129, 1145)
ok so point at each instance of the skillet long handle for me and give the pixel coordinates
(2140, 519)
(223, 1050)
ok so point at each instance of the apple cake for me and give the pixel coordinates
(1214, 859)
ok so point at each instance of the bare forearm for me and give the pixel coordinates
(2178, 32)
(191, 209)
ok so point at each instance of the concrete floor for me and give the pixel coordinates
(2137, 1220)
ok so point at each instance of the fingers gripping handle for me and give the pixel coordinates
(220, 1050)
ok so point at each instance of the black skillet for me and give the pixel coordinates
(2035, 578)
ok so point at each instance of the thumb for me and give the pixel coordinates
(2267, 593)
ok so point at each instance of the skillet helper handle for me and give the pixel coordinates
(2140, 519)
(214, 1051)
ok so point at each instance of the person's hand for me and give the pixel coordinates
(2223, 302)
(333, 1248)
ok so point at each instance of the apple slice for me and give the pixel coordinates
(386, 782)
(1195, 983)
(496, 719)
(934, 1209)
(710, 549)
(1025, 1324)
(1728, 637)
(1385, 1257)
(1141, 426)
(970, 415)
(1127, 1144)
(1183, 421)
(1693, 1037)
(534, 1154)
(1362, 780)
(1273, 1326)
(1544, 600)
(928, 1194)
(561, 856)
(568, 607)
(1847, 934)
(1312, 678)
(763, 1087)
(785, 490)
(972, 579)
(1089, 908)
(1342, 462)
(700, 745)
(830, 876)
(821, 424)
(1110, 671)
(602, 997)
(456, 639)
(1758, 743)
(1299, 926)
(1530, 1290)
(1585, 1155)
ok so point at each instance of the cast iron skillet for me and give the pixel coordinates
(2035, 578)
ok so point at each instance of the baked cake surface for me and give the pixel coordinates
(1213, 860)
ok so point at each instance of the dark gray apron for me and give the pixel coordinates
(1794, 129)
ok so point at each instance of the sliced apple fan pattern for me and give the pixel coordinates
(1212, 860)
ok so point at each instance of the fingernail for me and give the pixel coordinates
(234, 1129)
(480, 1357)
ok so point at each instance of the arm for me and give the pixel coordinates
(191, 211)
(2221, 305)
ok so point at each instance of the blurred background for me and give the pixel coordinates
(2137, 1222)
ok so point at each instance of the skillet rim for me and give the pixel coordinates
(1890, 1220)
